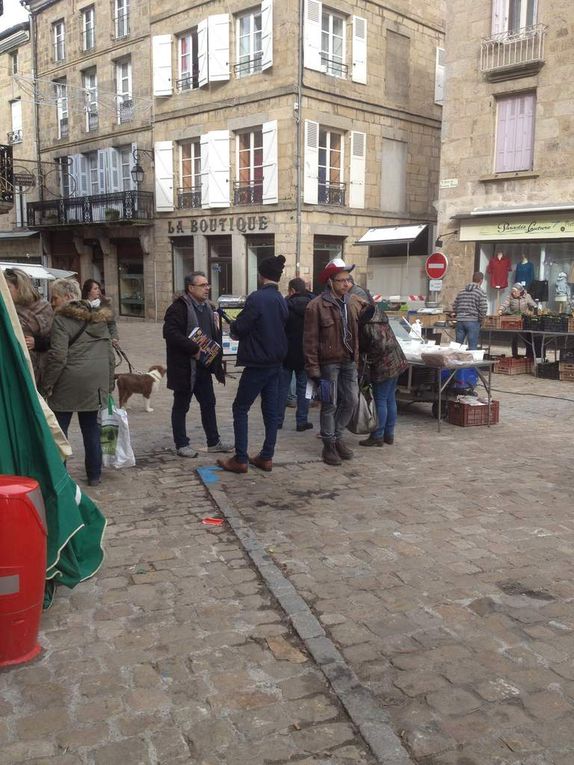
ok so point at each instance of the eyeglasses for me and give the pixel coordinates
(203, 284)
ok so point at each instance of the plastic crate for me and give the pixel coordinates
(567, 355)
(466, 415)
(507, 365)
(567, 375)
(491, 322)
(555, 323)
(549, 370)
(511, 322)
(531, 322)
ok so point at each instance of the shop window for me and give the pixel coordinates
(121, 18)
(258, 248)
(515, 133)
(183, 261)
(131, 285)
(248, 189)
(189, 193)
(394, 175)
(61, 92)
(124, 91)
(59, 40)
(219, 266)
(325, 248)
(88, 28)
(188, 60)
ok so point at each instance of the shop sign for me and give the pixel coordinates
(213, 225)
(516, 227)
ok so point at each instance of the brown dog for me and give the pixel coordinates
(145, 384)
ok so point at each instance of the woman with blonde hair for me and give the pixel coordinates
(35, 314)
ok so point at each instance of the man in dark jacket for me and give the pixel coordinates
(185, 374)
(298, 298)
(470, 307)
(260, 329)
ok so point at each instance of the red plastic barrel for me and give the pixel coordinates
(22, 568)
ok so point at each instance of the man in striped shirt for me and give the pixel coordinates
(470, 308)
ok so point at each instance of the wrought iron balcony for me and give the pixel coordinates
(15, 136)
(189, 199)
(513, 54)
(125, 111)
(332, 194)
(249, 65)
(333, 66)
(116, 207)
(248, 193)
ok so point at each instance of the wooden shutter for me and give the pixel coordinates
(311, 167)
(202, 53)
(215, 169)
(515, 133)
(218, 47)
(359, 70)
(270, 174)
(163, 161)
(499, 16)
(267, 33)
(103, 171)
(312, 35)
(439, 75)
(357, 170)
(161, 58)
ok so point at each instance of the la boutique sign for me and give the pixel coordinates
(242, 223)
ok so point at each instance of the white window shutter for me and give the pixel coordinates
(163, 161)
(102, 170)
(312, 35)
(82, 175)
(161, 57)
(215, 151)
(115, 170)
(311, 179)
(499, 16)
(359, 70)
(270, 177)
(218, 45)
(357, 170)
(267, 33)
(439, 75)
(202, 52)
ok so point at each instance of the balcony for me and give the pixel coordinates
(117, 207)
(510, 55)
(248, 193)
(15, 136)
(189, 199)
(187, 82)
(332, 194)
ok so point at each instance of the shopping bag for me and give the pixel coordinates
(117, 450)
(364, 418)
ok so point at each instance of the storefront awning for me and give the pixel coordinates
(37, 271)
(18, 234)
(392, 234)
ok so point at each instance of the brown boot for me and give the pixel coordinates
(261, 463)
(330, 454)
(343, 450)
(233, 466)
(389, 439)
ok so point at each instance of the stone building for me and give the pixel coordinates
(213, 134)
(507, 165)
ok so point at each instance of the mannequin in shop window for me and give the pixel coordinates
(497, 272)
(562, 291)
(524, 273)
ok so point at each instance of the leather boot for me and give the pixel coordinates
(330, 454)
(343, 450)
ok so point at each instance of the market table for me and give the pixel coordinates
(544, 334)
(483, 369)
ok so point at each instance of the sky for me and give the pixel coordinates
(14, 14)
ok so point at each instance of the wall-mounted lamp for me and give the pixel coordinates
(438, 242)
(137, 172)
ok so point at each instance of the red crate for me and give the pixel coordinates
(507, 365)
(511, 322)
(466, 415)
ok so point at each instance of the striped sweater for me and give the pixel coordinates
(470, 303)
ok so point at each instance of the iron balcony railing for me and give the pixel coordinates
(513, 53)
(248, 193)
(333, 66)
(332, 194)
(15, 136)
(249, 65)
(187, 82)
(189, 199)
(116, 207)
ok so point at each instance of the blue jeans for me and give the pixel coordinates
(90, 428)
(257, 381)
(470, 330)
(302, 411)
(335, 416)
(385, 397)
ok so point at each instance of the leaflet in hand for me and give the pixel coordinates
(208, 348)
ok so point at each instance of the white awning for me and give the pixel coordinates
(392, 234)
(37, 271)
(18, 234)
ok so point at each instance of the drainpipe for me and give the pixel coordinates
(298, 151)
(34, 37)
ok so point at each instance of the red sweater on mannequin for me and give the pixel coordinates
(498, 270)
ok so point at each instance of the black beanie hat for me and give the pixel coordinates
(272, 268)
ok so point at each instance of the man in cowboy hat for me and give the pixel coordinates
(331, 347)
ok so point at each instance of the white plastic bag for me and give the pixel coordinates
(117, 450)
(364, 419)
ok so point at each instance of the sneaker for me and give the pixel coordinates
(220, 447)
(186, 451)
(304, 426)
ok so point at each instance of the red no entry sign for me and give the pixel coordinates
(436, 265)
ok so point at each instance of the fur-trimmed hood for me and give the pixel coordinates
(81, 310)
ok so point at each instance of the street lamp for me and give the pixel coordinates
(137, 172)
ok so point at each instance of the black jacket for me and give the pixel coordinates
(296, 304)
(181, 365)
(260, 329)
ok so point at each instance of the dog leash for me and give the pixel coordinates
(123, 356)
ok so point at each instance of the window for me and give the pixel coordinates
(187, 47)
(331, 186)
(59, 38)
(64, 175)
(394, 175)
(61, 91)
(126, 162)
(88, 28)
(15, 135)
(515, 133)
(189, 194)
(13, 62)
(90, 84)
(121, 18)
(249, 44)
(248, 189)
(333, 44)
(124, 91)
(513, 16)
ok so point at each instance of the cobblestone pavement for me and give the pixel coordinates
(441, 569)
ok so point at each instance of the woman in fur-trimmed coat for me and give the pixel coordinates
(79, 372)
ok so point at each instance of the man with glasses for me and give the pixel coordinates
(331, 347)
(186, 376)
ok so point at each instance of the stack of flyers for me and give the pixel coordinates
(209, 350)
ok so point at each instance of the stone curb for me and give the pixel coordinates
(360, 703)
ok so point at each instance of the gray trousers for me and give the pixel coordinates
(335, 416)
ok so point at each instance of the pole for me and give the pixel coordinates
(298, 151)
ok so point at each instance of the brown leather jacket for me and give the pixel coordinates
(323, 332)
